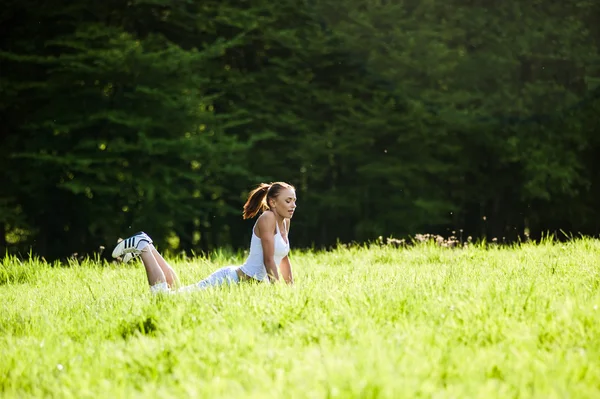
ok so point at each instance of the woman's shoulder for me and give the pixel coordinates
(267, 216)
(266, 220)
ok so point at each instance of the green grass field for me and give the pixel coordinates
(378, 322)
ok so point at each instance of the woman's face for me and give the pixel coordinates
(284, 203)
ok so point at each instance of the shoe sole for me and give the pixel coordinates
(119, 250)
(128, 257)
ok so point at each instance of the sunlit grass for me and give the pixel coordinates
(360, 322)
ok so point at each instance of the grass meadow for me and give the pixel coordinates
(360, 322)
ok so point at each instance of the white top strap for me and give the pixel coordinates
(277, 226)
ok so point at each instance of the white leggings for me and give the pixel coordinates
(225, 275)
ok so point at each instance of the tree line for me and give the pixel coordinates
(390, 118)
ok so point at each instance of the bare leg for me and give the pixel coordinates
(153, 270)
(168, 272)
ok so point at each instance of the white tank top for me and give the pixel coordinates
(255, 264)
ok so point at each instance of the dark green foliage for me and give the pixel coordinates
(147, 326)
(390, 119)
(97, 157)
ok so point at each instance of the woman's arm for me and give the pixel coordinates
(266, 228)
(286, 266)
(286, 270)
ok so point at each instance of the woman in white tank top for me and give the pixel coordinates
(269, 246)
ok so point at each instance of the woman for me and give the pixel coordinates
(269, 246)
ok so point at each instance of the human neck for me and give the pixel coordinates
(278, 218)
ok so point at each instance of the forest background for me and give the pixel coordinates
(456, 117)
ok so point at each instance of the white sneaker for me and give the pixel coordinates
(131, 246)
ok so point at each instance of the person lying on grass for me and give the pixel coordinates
(269, 246)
